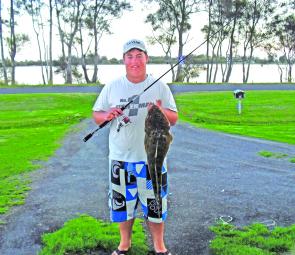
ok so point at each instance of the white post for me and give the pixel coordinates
(239, 106)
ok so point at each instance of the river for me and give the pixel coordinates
(31, 75)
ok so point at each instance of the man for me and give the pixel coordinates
(129, 176)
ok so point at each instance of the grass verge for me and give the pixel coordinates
(31, 127)
(255, 239)
(85, 234)
(265, 114)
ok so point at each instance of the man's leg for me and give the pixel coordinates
(157, 232)
(125, 232)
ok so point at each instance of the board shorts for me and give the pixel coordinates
(130, 184)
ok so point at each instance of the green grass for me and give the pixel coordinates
(269, 154)
(85, 234)
(265, 114)
(255, 239)
(2, 85)
(278, 155)
(31, 127)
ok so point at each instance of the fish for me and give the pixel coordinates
(157, 141)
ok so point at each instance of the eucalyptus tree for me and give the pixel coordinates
(252, 29)
(3, 60)
(15, 40)
(12, 41)
(34, 9)
(50, 80)
(68, 13)
(221, 34)
(234, 14)
(96, 21)
(216, 32)
(178, 12)
(163, 34)
(273, 53)
(282, 28)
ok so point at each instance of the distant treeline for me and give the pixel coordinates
(200, 59)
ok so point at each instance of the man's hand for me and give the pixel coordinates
(112, 113)
(158, 103)
(170, 115)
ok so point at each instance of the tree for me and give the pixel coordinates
(2, 47)
(272, 51)
(282, 28)
(12, 42)
(221, 34)
(50, 80)
(164, 34)
(216, 33)
(97, 21)
(68, 15)
(234, 14)
(251, 27)
(34, 7)
(178, 12)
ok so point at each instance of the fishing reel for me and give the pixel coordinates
(125, 121)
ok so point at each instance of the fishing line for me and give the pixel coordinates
(87, 137)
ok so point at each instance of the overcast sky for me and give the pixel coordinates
(130, 25)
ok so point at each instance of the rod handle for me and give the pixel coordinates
(87, 137)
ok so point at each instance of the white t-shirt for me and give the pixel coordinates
(128, 143)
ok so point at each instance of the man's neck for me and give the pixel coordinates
(136, 79)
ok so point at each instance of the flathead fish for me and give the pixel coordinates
(156, 141)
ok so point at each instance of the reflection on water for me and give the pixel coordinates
(258, 73)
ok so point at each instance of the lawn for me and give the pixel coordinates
(31, 128)
(265, 114)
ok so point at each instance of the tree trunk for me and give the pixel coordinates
(230, 56)
(95, 69)
(208, 76)
(2, 48)
(12, 42)
(37, 32)
(50, 80)
(62, 40)
(179, 77)
(69, 78)
(289, 72)
(249, 63)
(83, 64)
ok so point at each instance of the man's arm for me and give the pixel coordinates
(172, 116)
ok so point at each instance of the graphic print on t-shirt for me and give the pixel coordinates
(132, 109)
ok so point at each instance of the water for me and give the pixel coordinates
(258, 73)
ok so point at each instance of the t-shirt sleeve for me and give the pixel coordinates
(101, 103)
(167, 98)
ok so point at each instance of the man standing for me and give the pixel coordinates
(129, 177)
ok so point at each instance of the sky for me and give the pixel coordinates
(130, 25)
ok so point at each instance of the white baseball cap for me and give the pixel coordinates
(134, 44)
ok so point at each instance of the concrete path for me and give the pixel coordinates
(174, 88)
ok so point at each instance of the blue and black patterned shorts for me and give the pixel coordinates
(130, 183)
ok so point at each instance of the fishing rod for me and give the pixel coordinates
(87, 137)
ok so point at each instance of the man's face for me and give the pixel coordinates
(135, 63)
